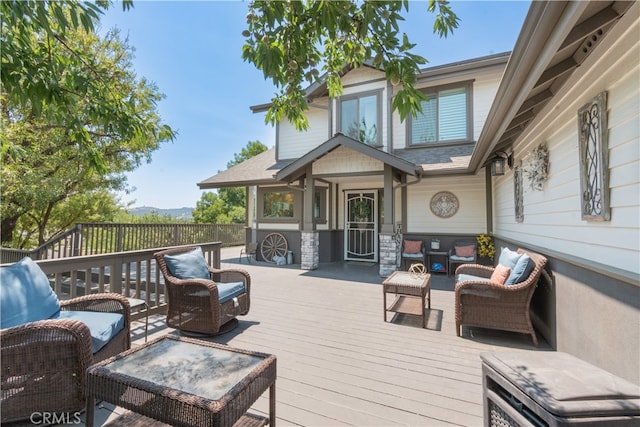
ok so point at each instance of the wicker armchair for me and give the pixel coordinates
(203, 306)
(44, 362)
(490, 305)
(456, 259)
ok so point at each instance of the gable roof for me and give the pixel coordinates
(556, 37)
(297, 168)
(258, 169)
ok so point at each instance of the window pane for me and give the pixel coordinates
(423, 127)
(453, 114)
(369, 119)
(317, 204)
(278, 205)
(349, 124)
(360, 119)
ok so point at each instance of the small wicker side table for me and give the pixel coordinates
(411, 290)
(185, 382)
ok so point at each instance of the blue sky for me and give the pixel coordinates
(192, 51)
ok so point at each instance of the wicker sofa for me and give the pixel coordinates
(202, 300)
(482, 303)
(46, 345)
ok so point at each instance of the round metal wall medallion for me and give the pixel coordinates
(444, 204)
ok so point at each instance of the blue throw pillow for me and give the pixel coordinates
(521, 271)
(509, 258)
(188, 265)
(25, 294)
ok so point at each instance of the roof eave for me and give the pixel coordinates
(545, 28)
(213, 185)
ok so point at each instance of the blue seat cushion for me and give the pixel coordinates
(230, 290)
(25, 294)
(461, 258)
(412, 255)
(466, 277)
(188, 265)
(509, 258)
(521, 271)
(103, 326)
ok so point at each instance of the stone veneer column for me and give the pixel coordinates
(310, 256)
(388, 261)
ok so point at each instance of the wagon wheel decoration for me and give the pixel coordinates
(273, 244)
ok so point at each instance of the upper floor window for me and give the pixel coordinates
(445, 117)
(360, 117)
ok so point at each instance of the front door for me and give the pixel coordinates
(361, 226)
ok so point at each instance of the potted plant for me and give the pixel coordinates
(486, 248)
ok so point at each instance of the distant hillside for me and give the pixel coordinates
(181, 213)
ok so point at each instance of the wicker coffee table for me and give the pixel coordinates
(411, 290)
(185, 382)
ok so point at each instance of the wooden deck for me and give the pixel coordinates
(339, 363)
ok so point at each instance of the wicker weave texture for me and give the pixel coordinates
(44, 362)
(177, 408)
(193, 305)
(495, 306)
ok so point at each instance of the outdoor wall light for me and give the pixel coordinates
(500, 162)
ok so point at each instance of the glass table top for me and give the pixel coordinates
(196, 369)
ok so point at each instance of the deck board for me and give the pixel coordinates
(339, 363)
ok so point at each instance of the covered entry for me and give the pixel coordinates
(361, 226)
(363, 176)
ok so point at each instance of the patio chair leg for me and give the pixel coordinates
(458, 328)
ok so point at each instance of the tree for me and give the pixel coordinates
(35, 76)
(210, 209)
(290, 41)
(235, 196)
(37, 226)
(45, 161)
(228, 206)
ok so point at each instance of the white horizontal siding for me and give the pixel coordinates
(344, 160)
(471, 217)
(552, 217)
(360, 75)
(292, 143)
(484, 91)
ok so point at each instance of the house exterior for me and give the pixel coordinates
(563, 111)
(344, 189)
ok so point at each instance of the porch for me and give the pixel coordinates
(340, 364)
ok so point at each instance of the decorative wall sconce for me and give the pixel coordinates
(500, 162)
